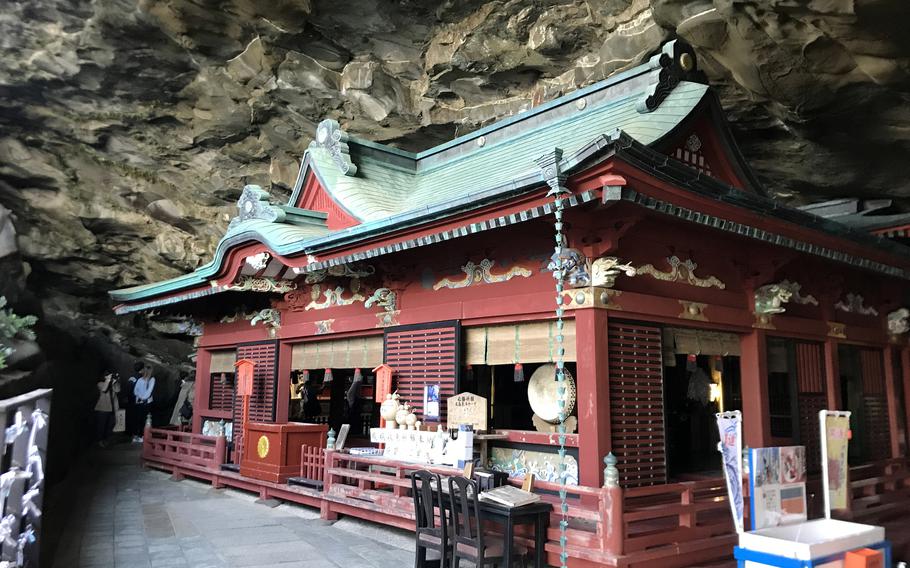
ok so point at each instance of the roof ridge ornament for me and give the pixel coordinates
(254, 204)
(334, 140)
(676, 62)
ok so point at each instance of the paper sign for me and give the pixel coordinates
(778, 483)
(467, 408)
(383, 382)
(835, 428)
(431, 402)
(729, 425)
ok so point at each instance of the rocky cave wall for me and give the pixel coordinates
(129, 127)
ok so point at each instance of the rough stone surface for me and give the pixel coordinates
(129, 127)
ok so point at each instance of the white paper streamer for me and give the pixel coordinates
(27, 537)
(16, 429)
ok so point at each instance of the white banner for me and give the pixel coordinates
(730, 427)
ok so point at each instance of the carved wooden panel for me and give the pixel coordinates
(637, 403)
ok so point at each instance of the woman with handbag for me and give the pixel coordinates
(106, 408)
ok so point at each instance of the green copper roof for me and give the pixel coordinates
(387, 184)
(387, 188)
(282, 238)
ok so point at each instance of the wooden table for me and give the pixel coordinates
(537, 514)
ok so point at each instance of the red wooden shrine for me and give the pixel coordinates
(418, 271)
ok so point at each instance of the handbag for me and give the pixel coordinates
(120, 420)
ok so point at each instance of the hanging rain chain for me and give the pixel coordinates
(549, 164)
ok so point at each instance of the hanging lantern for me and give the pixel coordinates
(304, 375)
(470, 372)
(519, 373)
(328, 378)
(358, 376)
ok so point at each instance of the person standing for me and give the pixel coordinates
(142, 396)
(130, 401)
(106, 407)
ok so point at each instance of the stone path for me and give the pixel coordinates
(125, 517)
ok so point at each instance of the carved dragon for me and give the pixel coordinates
(384, 298)
(770, 298)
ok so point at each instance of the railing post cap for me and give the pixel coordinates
(610, 459)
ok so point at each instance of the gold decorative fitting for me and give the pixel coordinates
(686, 62)
(482, 141)
(580, 104)
(386, 319)
(482, 273)
(764, 321)
(324, 326)
(262, 447)
(253, 284)
(681, 271)
(838, 330)
(693, 310)
(591, 297)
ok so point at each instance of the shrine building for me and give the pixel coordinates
(692, 291)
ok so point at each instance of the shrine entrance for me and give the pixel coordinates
(701, 378)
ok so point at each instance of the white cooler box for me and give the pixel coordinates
(814, 544)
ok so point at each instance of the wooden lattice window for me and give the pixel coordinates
(265, 376)
(221, 392)
(424, 355)
(810, 376)
(637, 403)
(876, 429)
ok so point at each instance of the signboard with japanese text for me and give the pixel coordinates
(467, 408)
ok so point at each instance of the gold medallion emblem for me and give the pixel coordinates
(262, 447)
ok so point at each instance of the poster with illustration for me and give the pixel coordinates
(729, 425)
(431, 402)
(835, 433)
(778, 486)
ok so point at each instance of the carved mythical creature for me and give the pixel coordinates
(899, 321)
(605, 270)
(384, 298)
(269, 316)
(770, 298)
(580, 272)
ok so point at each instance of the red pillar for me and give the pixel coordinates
(593, 394)
(832, 375)
(283, 395)
(202, 387)
(754, 371)
(905, 375)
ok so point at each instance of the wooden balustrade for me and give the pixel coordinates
(312, 464)
(879, 491)
(183, 449)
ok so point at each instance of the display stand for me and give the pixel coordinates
(786, 539)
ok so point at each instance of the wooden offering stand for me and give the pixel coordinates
(272, 451)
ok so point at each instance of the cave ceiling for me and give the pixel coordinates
(130, 127)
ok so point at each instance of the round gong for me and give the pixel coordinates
(543, 393)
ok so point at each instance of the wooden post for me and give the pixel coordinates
(754, 372)
(593, 393)
(325, 512)
(832, 375)
(893, 405)
(220, 449)
(611, 508)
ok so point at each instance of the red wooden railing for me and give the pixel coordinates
(183, 449)
(879, 491)
(312, 463)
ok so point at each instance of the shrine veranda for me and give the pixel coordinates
(436, 265)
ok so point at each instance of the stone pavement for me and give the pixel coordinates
(126, 517)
